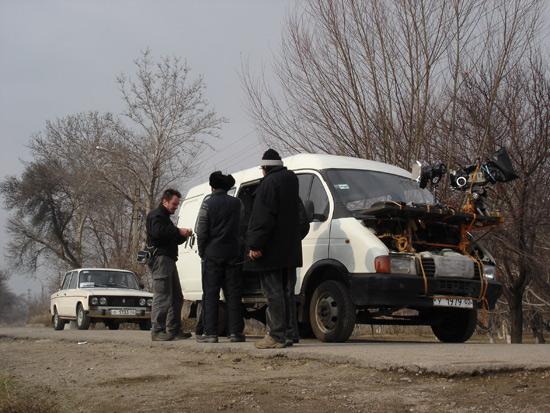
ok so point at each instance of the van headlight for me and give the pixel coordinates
(142, 302)
(395, 264)
(94, 301)
(403, 264)
(489, 271)
(149, 302)
(103, 301)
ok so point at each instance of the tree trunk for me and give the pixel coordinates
(537, 327)
(516, 313)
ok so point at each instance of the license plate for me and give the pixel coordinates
(453, 302)
(123, 311)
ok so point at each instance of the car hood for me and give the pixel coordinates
(116, 292)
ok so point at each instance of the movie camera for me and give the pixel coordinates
(470, 179)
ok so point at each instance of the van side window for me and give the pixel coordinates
(312, 189)
(320, 201)
(304, 182)
(74, 279)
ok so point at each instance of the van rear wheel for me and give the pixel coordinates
(454, 325)
(331, 312)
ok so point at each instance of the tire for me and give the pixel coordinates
(145, 325)
(112, 324)
(452, 325)
(58, 323)
(331, 312)
(305, 330)
(82, 319)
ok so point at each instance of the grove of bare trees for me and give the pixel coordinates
(82, 199)
(449, 80)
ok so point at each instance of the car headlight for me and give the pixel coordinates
(94, 301)
(489, 271)
(149, 302)
(142, 301)
(103, 301)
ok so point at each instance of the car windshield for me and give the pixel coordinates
(360, 189)
(105, 278)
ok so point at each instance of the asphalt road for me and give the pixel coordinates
(410, 356)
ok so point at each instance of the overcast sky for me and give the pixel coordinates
(61, 57)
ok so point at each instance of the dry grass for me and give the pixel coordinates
(16, 399)
(42, 319)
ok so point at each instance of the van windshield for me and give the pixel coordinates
(109, 279)
(360, 189)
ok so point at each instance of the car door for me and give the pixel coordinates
(189, 263)
(70, 298)
(63, 300)
(57, 298)
(315, 245)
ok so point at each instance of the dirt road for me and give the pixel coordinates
(122, 371)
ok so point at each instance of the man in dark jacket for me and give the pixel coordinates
(165, 237)
(277, 226)
(218, 244)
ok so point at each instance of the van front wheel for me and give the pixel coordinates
(331, 312)
(454, 325)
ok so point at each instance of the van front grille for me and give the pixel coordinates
(429, 266)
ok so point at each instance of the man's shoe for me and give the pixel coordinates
(181, 335)
(237, 338)
(289, 342)
(269, 342)
(207, 339)
(161, 336)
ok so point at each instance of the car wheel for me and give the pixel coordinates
(58, 323)
(112, 324)
(82, 319)
(145, 325)
(454, 325)
(331, 312)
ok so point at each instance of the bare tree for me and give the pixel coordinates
(53, 200)
(520, 121)
(83, 198)
(166, 124)
(428, 79)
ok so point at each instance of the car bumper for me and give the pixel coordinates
(126, 313)
(398, 290)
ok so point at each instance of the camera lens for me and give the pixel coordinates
(461, 181)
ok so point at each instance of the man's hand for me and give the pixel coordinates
(186, 232)
(254, 255)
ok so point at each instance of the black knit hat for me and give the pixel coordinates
(218, 180)
(271, 158)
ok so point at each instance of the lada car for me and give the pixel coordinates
(111, 296)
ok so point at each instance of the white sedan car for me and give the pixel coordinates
(100, 294)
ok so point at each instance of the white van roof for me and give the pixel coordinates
(308, 161)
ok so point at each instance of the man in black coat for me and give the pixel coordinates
(277, 226)
(218, 244)
(165, 237)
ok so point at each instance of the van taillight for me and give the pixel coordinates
(382, 264)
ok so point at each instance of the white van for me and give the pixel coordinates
(378, 252)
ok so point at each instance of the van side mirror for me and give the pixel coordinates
(310, 210)
(141, 286)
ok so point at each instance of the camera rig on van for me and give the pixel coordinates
(410, 228)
